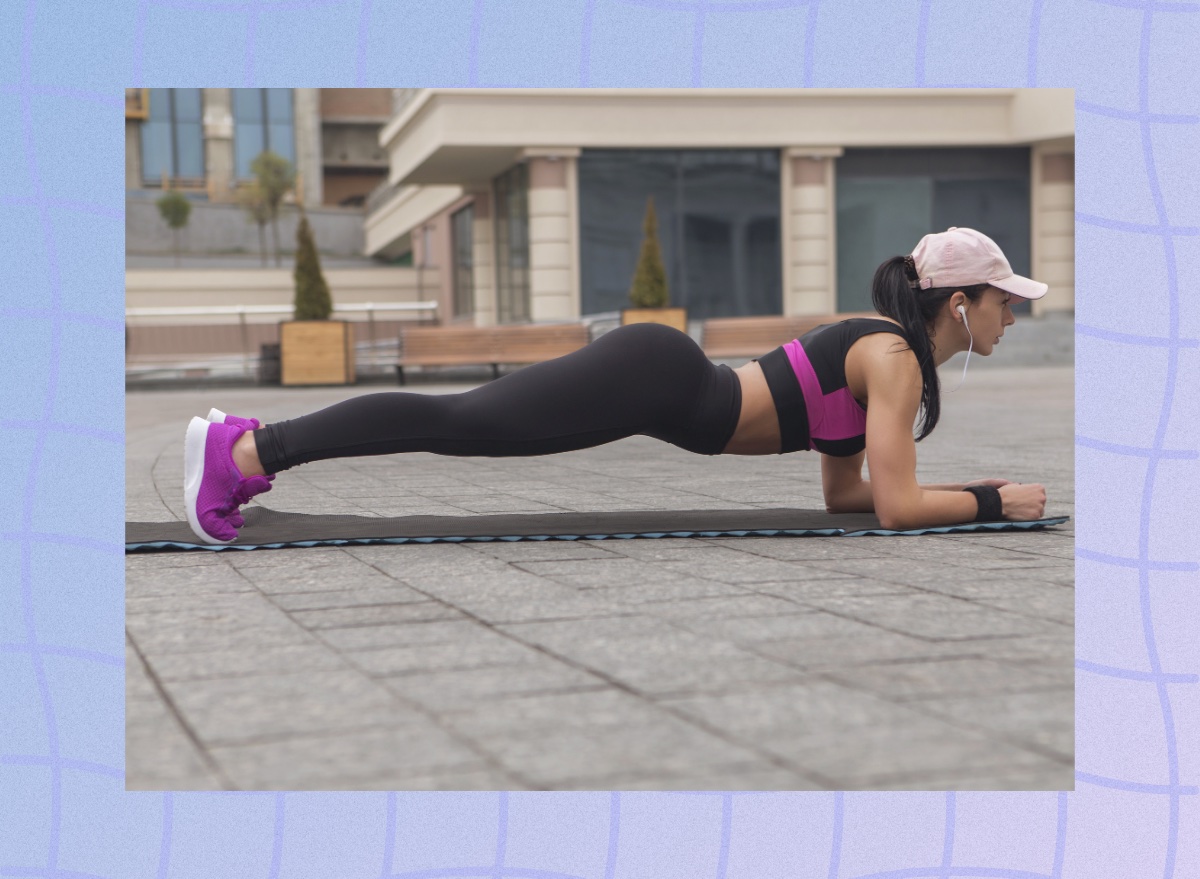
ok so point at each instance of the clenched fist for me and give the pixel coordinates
(1023, 501)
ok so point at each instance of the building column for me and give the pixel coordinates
(133, 154)
(307, 114)
(809, 223)
(553, 244)
(483, 259)
(218, 144)
(1053, 224)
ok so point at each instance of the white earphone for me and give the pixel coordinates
(970, 346)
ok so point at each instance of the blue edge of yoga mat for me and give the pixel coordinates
(821, 532)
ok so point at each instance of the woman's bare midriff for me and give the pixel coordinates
(758, 426)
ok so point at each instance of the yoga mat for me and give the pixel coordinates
(271, 529)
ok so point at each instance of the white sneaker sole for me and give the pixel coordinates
(193, 474)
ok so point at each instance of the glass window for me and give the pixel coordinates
(718, 228)
(263, 120)
(464, 260)
(888, 198)
(512, 245)
(173, 137)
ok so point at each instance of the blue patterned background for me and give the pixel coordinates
(63, 808)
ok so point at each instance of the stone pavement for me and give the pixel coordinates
(934, 662)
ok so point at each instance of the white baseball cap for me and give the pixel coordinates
(963, 257)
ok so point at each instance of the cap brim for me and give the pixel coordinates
(1026, 288)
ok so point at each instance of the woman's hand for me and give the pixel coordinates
(1020, 502)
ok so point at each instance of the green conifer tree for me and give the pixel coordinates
(312, 293)
(649, 288)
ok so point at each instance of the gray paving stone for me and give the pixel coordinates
(569, 605)
(382, 758)
(185, 581)
(1036, 720)
(546, 550)
(869, 646)
(408, 634)
(395, 593)
(738, 777)
(931, 616)
(582, 755)
(823, 585)
(247, 658)
(699, 674)
(811, 708)
(751, 630)
(1048, 776)
(600, 572)
(724, 606)
(490, 689)
(159, 755)
(939, 678)
(538, 714)
(241, 710)
(1038, 601)
(815, 548)
(633, 594)
(373, 615)
(160, 634)
(915, 750)
(481, 651)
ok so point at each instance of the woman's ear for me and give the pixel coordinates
(957, 298)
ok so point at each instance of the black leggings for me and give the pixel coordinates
(638, 379)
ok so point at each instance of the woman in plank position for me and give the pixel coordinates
(849, 390)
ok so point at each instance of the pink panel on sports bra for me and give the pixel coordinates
(831, 416)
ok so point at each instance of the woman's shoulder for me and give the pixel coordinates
(874, 324)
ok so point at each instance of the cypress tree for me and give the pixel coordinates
(649, 288)
(312, 293)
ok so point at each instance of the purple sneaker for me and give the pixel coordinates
(217, 416)
(213, 487)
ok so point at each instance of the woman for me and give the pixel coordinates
(952, 293)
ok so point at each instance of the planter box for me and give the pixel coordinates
(316, 352)
(672, 317)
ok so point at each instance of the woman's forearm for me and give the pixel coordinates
(859, 499)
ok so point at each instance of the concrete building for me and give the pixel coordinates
(770, 201)
(202, 141)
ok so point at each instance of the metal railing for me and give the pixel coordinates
(426, 308)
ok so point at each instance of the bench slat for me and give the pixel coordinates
(468, 346)
(752, 336)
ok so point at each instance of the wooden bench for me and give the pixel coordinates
(754, 336)
(470, 346)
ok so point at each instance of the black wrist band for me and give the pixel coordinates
(988, 499)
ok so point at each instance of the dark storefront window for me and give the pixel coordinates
(263, 120)
(172, 137)
(512, 245)
(463, 245)
(718, 227)
(888, 198)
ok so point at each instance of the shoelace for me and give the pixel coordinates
(247, 488)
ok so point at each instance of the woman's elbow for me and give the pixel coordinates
(894, 517)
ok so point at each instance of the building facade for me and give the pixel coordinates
(202, 141)
(769, 201)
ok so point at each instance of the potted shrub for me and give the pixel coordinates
(648, 293)
(314, 350)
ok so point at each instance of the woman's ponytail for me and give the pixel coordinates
(894, 294)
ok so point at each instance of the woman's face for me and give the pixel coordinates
(990, 315)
